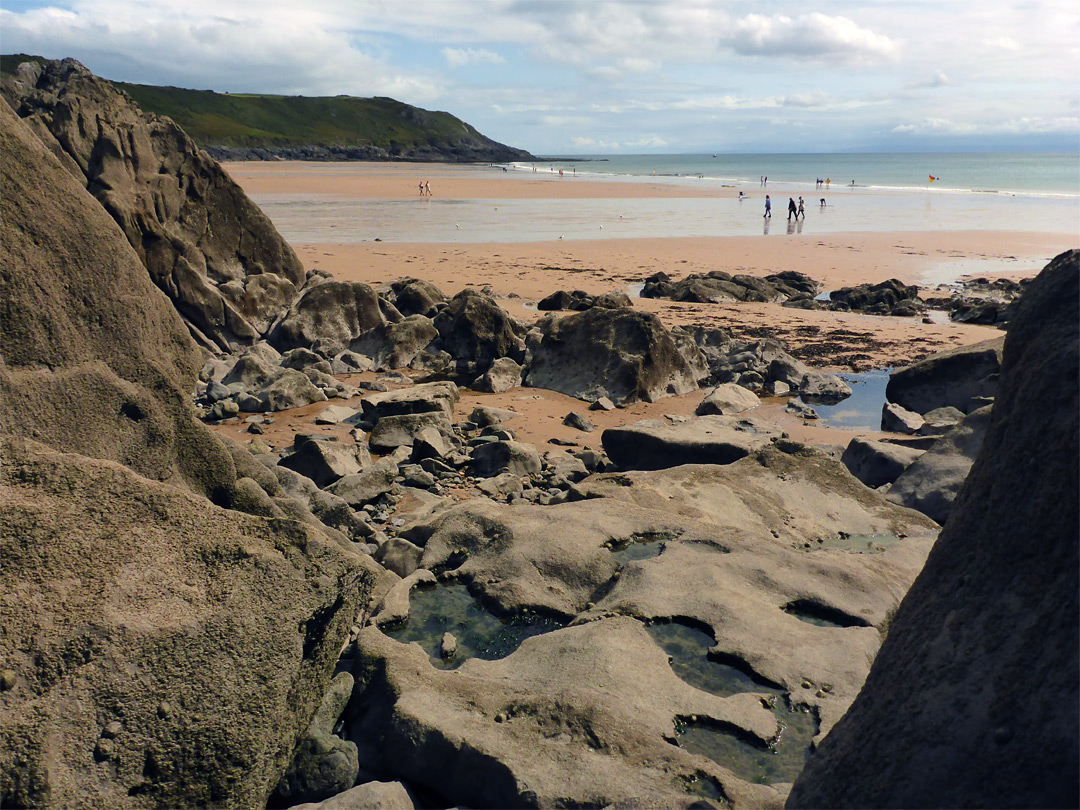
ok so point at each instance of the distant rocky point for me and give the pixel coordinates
(270, 127)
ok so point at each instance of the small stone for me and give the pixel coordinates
(448, 646)
(602, 404)
(500, 718)
(7, 680)
(105, 749)
(111, 730)
(164, 709)
(578, 422)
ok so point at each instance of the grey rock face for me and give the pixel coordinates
(962, 378)
(898, 419)
(940, 722)
(819, 388)
(404, 429)
(423, 398)
(933, 481)
(338, 310)
(413, 296)
(727, 399)
(505, 456)
(503, 375)
(396, 345)
(289, 389)
(877, 463)
(476, 331)
(654, 444)
(622, 354)
(324, 462)
(368, 796)
(204, 243)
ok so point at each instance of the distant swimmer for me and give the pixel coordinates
(791, 209)
(768, 206)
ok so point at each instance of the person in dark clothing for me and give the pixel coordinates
(792, 211)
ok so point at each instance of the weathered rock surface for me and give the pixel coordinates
(727, 399)
(339, 310)
(718, 286)
(586, 715)
(973, 698)
(891, 297)
(654, 444)
(205, 244)
(396, 345)
(963, 378)
(877, 463)
(476, 331)
(196, 644)
(369, 796)
(932, 482)
(624, 355)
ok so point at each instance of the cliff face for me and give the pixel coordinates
(157, 648)
(205, 244)
(973, 699)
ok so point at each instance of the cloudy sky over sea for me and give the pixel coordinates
(596, 76)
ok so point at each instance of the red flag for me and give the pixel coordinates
(932, 178)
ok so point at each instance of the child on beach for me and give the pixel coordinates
(768, 206)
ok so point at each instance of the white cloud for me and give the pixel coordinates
(1016, 126)
(1002, 44)
(939, 79)
(815, 35)
(459, 57)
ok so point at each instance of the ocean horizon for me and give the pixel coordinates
(1018, 173)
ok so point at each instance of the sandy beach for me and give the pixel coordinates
(307, 201)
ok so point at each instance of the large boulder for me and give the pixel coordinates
(396, 345)
(476, 331)
(339, 310)
(160, 646)
(619, 353)
(973, 699)
(205, 244)
(654, 444)
(414, 296)
(964, 378)
(932, 482)
(877, 463)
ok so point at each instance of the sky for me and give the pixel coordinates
(559, 77)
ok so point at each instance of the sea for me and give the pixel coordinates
(1041, 174)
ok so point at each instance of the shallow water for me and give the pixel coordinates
(780, 761)
(642, 546)
(862, 410)
(480, 634)
(688, 648)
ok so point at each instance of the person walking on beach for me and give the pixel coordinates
(421, 188)
(791, 209)
(427, 188)
(768, 206)
(802, 209)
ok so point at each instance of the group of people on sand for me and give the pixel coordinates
(824, 182)
(793, 210)
(425, 189)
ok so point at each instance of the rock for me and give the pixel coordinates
(430, 443)
(335, 415)
(654, 444)
(817, 388)
(438, 397)
(289, 389)
(324, 462)
(881, 298)
(939, 420)
(800, 409)
(338, 310)
(395, 604)
(251, 370)
(502, 484)
(877, 463)
(727, 399)
(958, 377)
(483, 416)
(897, 419)
(329, 509)
(602, 404)
(476, 331)
(618, 353)
(396, 345)
(358, 489)
(613, 299)
(302, 359)
(578, 422)
(504, 456)
(448, 646)
(933, 481)
(935, 725)
(368, 796)
(323, 765)
(348, 362)
(108, 480)
(561, 299)
(413, 296)
(399, 555)
(402, 430)
(203, 242)
(503, 375)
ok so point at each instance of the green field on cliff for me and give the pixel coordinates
(271, 121)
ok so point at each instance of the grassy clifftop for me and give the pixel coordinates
(242, 126)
